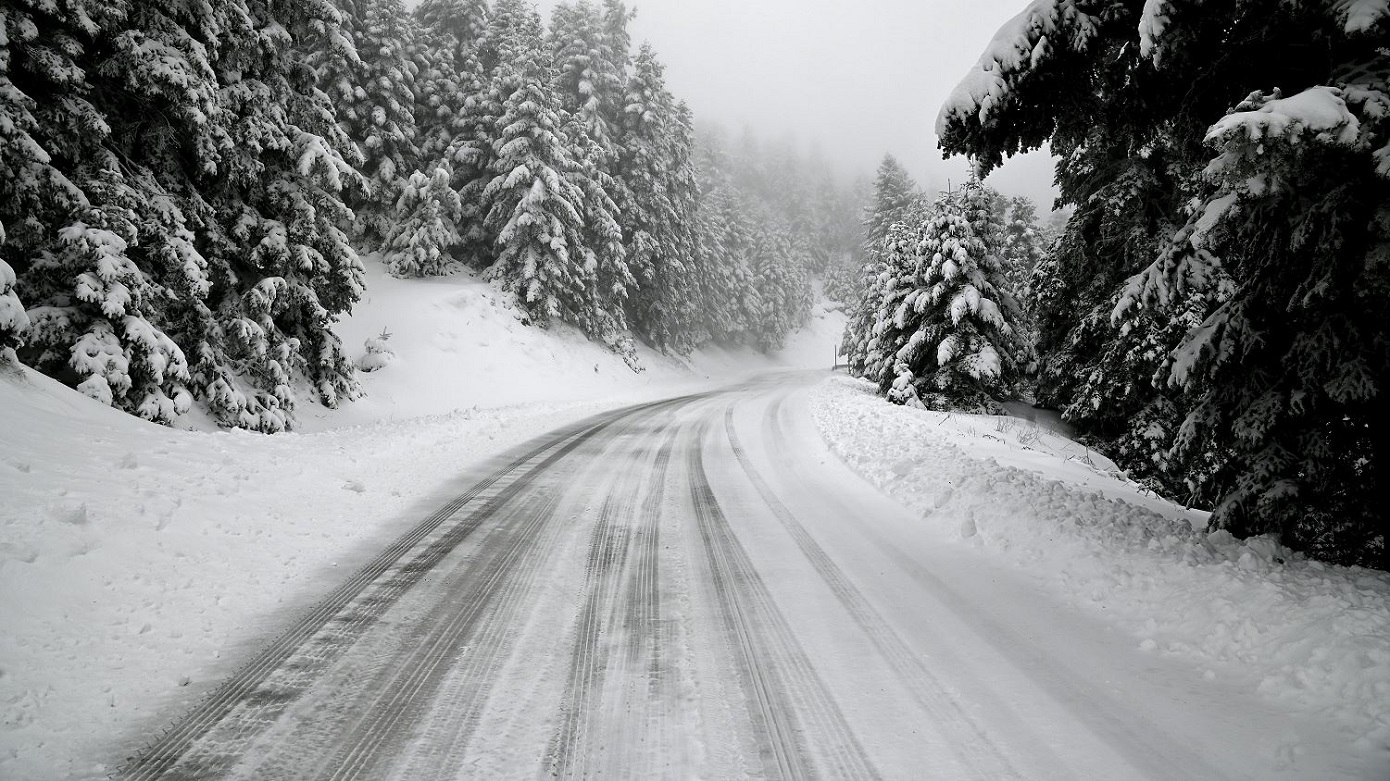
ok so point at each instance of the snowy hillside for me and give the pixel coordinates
(139, 564)
(457, 345)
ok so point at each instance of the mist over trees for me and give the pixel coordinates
(1212, 316)
(187, 192)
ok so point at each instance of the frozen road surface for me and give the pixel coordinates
(690, 588)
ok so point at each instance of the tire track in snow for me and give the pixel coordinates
(646, 634)
(789, 704)
(609, 549)
(253, 700)
(609, 609)
(968, 742)
(456, 714)
(403, 700)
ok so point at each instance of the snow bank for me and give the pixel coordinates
(1302, 632)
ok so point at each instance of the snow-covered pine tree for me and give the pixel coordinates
(448, 51)
(589, 80)
(1288, 369)
(14, 321)
(102, 251)
(533, 207)
(896, 200)
(282, 265)
(508, 33)
(727, 279)
(602, 237)
(677, 284)
(783, 283)
(375, 102)
(428, 215)
(655, 221)
(1127, 96)
(1024, 246)
(952, 341)
(883, 333)
(460, 26)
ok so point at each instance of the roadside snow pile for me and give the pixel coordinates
(1307, 633)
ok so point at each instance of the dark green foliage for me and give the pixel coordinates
(1242, 362)
(177, 222)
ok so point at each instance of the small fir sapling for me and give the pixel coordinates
(379, 355)
(427, 226)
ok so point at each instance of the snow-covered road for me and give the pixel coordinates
(697, 588)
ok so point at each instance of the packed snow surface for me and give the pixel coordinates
(1301, 633)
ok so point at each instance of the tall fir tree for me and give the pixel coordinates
(375, 102)
(1134, 108)
(947, 324)
(533, 207)
(896, 200)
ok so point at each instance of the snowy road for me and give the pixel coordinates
(690, 588)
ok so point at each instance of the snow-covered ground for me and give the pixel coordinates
(1301, 633)
(140, 564)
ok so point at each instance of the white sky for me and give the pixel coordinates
(861, 78)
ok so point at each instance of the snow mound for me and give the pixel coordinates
(1304, 633)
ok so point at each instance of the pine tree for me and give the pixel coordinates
(1024, 245)
(1130, 100)
(589, 78)
(428, 223)
(948, 319)
(375, 103)
(1285, 370)
(533, 207)
(783, 284)
(14, 321)
(655, 153)
(88, 112)
(896, 200)
(448, 57)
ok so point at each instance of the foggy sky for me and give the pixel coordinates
(858, 78)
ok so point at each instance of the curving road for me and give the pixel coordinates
(688, 588)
